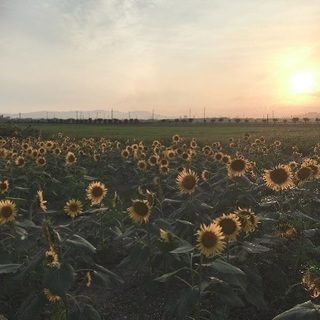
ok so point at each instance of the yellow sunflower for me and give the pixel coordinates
(164, 169)
(4, 186)
(187, 181)
(96, 191)
(210, 240)
(51, 258)
(311, 279)
(8, 211)
(278, 178)
(125, 153)
(205, 175)
(51, 296)
(164, 236)
(218, 156)
(248, 220)
(42, 202)
(304, 174)
(284, 230)
(230, 225)
(140, 210)
(142, 165)
(70, 158)
(153, 160)
(41, 161)
(20, 161)
(73, 208)
(237, 167)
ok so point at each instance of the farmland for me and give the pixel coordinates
(141, 221)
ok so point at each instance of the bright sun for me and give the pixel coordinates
(303, 82)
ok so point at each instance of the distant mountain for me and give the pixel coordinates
(93, 114)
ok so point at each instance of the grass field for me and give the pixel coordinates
(302, 135)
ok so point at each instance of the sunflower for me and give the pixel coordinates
(70, 158)
(42, 202)
(304, 174)
(96, 191)
(8, 211)
(237, 167)
(187, 181)
(210, 240)
(278, 178)
(51, 258)
(230, 225)
(73, 208)
(164, 236)
(89, 279)
(185, 156)
(20, 161)
(248, 220)
(170, 154)
(164, 170)
(4, 186)
(176, 138)
(142, 165)
(156, 180)
(153, 160)
(226, 159)
(125, 154)
(205, 175)
(311, 279)
(51, 296)
(41, 161)
(140, 210)
(284, 230)
(218, 156)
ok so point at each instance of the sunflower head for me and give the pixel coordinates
(248, 220)
(41, 161)
(4, 186)
(205, 175)
(70, 158)
(230, 225)
(304, 174)
(96, 191)
(142, 165)
(8, 211)
(51, 296)
(187, 181)
(51, 259)
(139, 211)
(237, 167)
(20, 161)
(210, 240)
(73, 208)
(279, 178)
(41, 201)
(164, 236)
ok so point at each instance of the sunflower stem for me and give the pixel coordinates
(228, 250)
(191, 268)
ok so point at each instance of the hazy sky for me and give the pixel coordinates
(176, 57)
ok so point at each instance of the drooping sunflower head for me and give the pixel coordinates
(96, 191)
(284, 230)
(4, 186)
(140, 211)
(51, 296)
(210, 240)
(311, 280)
(8, 211)
(51, 259)
(73, 208)
(237, 167)
(187, 181)
(230, 225)
(248, 220)
(278, 178)
(164, 236)
(41, 201)
(205, 175)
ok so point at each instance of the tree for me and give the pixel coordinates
(275, 120)
(237, 120)
(295, 120)
(306, 120)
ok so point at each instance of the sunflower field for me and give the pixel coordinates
(218, 231)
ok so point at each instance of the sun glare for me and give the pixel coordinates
(303, 82)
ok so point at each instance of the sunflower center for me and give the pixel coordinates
(97, 191)
(73, 207)
(238, 165)
(141, 208)
(209, 239)
(189, 182)
(304, 173)
(3, 186)
(228, 226)
(71, 158)
(279, 176)
(6, 212)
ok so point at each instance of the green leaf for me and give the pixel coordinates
(167, 276)
(59, 280)
(305, 311)
(187, 247)
(254, 247)
(106, 277)
(80, 244)
(188, 301)
(230, 274)
(226, 295)
(31, 307)
(9, 268)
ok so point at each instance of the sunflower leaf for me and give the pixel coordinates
(305, 311)
(9, 268)
(106, 277)
(187, 247)
(80, 244)
(188, 301)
